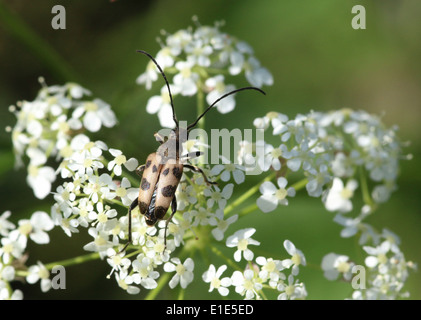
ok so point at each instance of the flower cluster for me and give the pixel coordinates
(197, 60)
(200, 212)
(268, 272)
(13, 244)
(336, 152)
(383, 275)
(46, 125)
(96, 189)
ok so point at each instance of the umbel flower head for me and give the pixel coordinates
(332, 150)
(197, 59)
(45, 127)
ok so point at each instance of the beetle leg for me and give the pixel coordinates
(159, 138)
(140, 169)
(198, 170)
(134, 204)
(192, 155)
(174, 210)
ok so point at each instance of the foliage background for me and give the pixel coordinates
(318, 61)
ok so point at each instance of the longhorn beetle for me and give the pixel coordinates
(163, 169)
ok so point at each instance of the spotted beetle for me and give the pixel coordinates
(163, 169)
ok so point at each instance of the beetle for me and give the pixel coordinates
(162, 171)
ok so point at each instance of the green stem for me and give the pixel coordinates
(64, 263)
(201, 124)
(36, 45)
(161, 283)
(74, 261)
(181, 294)
(300, 184)
(248, 209)
(364, 189)
(200, 107)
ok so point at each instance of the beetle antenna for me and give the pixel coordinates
(166, 82)
(219, 99)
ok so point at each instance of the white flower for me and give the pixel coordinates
(218, 196)
(123, 191)
(353, 225)
(218, 89)
(270, 270)
(246, 284)
(124, 281)
(7, 273)
(10, 248)
(186, 195)
(165, 56)
(257, 75)
(241, 239)
(156, 250)
(186, 79)
(201, 216)
(339, 196)
(69, 226)
(334, 264)
(40, 180)
(100, 243)
(272, 197)
(226, 169)
(199, 52)
(162, 105)
(37, 272)
(297, 257)
(271, 157)
(96, 186)
(292, 291)
(221, 224)
(184, 272)
(276, 119)
(7, 294)
(102, 214)
(36, 227)
(317, 179)
(300, 156)
(213, 276)
(149, 76)
(95, 113)
(378, 256)
(116, 260)
(145, 275)
(5, 225)
(120, 160)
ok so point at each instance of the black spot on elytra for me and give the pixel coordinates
(168, 191)
(154, 168)
(145, 185)
(165, 172)
(160, 212)
(177, 173)
(143, 207)
(148, 164)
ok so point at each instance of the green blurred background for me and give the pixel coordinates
(318, 62)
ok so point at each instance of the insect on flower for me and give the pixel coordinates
(163, 169)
